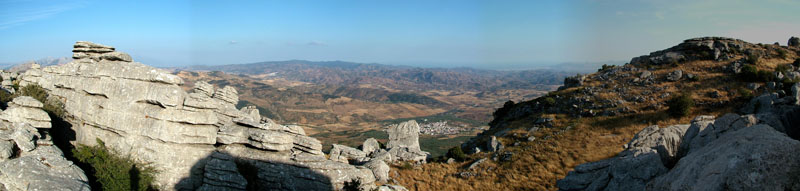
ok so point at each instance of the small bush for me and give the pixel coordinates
(752, 74)
(6, 97)
(745, 93)
(782, 53)
(406, 166)
(680, 106)
(782, 68)
(796, 62)
(352, 185)
(51, 106)
(752, 58)
(549, 101)
(114, 172)
(456, 153)
(606, 67)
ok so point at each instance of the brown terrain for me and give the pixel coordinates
(343, 111)
(593, 116)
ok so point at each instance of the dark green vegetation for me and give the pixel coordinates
(752, 74)
(680, 106)
(352, 185)
(114, 171)
(456, 153)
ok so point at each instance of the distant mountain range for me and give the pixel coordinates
(394, 77)
(22, 66)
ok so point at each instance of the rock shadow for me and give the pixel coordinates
(222, 171)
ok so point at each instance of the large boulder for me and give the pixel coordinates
(753, 158)
(645, 157)
(731, 152)
(370, 146)
(25, 109)
(345, 154)
(44, 169)
(403, 142)
(675, 75)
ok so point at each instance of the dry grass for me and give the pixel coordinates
(539, 164)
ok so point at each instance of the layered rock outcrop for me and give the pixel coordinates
(193, 139)
(732, 152)
(716, 48)
(37, 165)
(404, 142)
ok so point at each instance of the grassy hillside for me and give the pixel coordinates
(592, 119)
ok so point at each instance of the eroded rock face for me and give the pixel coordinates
(142, 112)
(46, 169)
(404, 142)
(344, 154)
(221, 173)
(25, 109)
(711, 48)
(732, 152)
(37, 165)
(753, 158)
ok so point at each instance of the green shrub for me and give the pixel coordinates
(782, 68)
(406, 166)
(680, 106)
(606, 67)
(752, 58)
(52, 107)
(782, 53)
(115, 172)
(745, 93)
(456, 153)
(549, 101)
(6, 97)
(352, 185)
(35, 91)
(796, 62)
(752, 74)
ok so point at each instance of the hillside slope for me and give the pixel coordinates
(592, 116)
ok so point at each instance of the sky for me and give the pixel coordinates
(481, 34)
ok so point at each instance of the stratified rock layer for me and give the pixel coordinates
(142, 112)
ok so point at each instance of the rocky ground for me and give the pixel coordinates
(533, 144)
(194, 140)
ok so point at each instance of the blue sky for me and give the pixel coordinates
(483, 34)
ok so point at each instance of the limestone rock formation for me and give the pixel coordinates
(731, 152)
(195, 139)
(37, 165)
(344, 154)
(675, 75)
(370, 145)
(43, 169)
(753, 158)
(717, 48)
(221, 173)
(25, 109)
(404, 142)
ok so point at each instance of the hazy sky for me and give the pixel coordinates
(485, 34)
